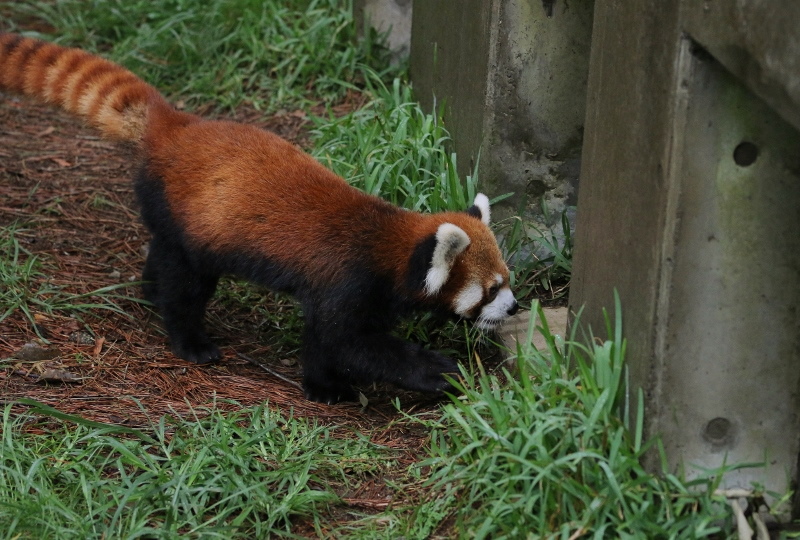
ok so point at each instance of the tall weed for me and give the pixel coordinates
(541, 450)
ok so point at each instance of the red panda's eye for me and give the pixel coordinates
(493, 290)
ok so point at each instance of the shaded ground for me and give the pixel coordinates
(70, 193)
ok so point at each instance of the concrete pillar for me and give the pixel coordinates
(512, 76)
(690, 208)
(392, 17)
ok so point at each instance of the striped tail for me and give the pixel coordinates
(107, 96)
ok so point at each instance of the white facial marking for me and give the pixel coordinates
(450, 241)
(468, 298)
(482, 202)
(496, 311)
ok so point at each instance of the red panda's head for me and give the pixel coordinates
(465, 270)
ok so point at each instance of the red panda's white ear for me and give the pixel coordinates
(450, 241)
(480, 208)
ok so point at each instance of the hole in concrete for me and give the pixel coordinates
(718, 431)
(745, 153)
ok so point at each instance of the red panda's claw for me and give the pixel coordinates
(198, 352)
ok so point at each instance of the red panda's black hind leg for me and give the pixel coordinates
(177, 281)
(180, 293)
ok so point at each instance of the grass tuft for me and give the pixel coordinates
(541, 450)
(540, 256)
(227, 475)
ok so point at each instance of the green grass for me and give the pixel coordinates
(540, 257)
(268, 54)
(249, 474)
(393, 149)
(24, 286)
(546, 446)
(541, 449)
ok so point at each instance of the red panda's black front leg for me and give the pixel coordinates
(416, 368)
(333, 364)
(322, 381)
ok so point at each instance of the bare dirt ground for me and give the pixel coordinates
(70, 194)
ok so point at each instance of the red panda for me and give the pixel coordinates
(226, 198)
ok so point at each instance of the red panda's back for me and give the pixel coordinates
(236, 188)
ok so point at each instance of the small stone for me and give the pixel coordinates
(81, 338)
(33, 352)
(58, 375)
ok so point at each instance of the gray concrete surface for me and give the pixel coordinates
(512, 75)
(690, 190)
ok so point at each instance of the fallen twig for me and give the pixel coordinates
(270, 370)
(374, 504)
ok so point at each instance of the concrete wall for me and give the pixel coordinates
(512, 74)
(690, 190)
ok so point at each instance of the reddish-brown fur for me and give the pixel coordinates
(108, 96)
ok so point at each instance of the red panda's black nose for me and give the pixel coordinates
(513, 309)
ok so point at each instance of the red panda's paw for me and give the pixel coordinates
(428, 375)
(201, 351)
(329, 394)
